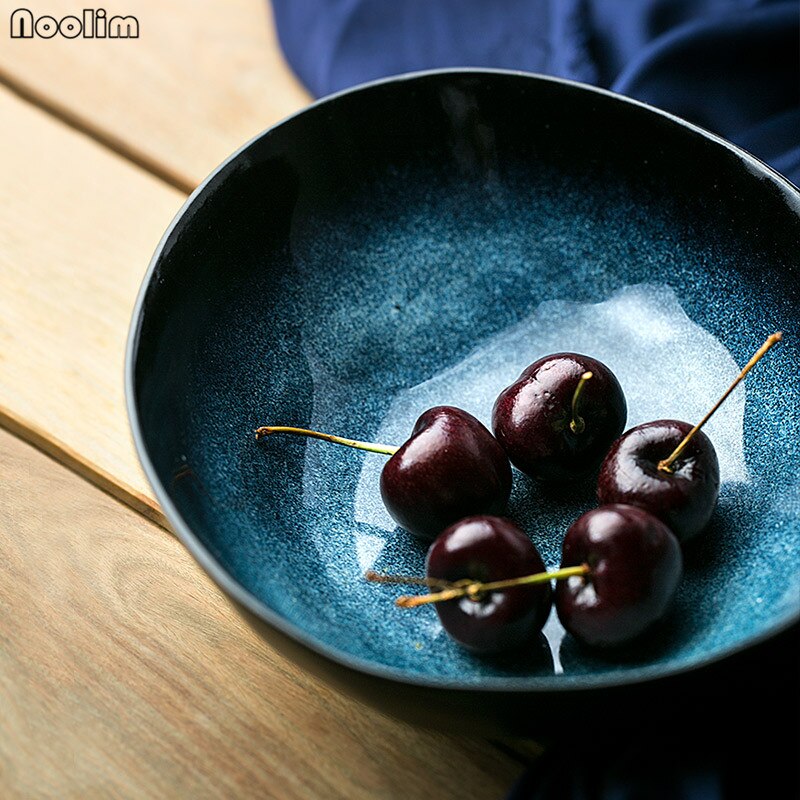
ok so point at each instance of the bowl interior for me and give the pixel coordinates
(419, 242)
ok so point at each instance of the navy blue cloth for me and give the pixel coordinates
(732, 66)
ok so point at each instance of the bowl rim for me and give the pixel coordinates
(517, 684)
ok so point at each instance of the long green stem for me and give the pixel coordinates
(475, 589)
(371, 447)
(431, 583)
(666, 464)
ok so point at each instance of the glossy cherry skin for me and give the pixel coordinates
(636, 565)
(684, 498)
(486, 548)
(451, 467)
(531, 418)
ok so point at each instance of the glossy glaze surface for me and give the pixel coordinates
(367, 254)
(451, 467)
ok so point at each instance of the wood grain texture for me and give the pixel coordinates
(78, 228)
(125, 673)
(203, 77)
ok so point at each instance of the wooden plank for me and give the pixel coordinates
(125, 673)
(45, 441)
(78, 228)
(203, 77)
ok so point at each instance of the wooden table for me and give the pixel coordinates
(123, 670)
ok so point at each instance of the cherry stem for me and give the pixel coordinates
(474, 589)
(666, 464)
(431, 583)
(371, 447)
(577, 424)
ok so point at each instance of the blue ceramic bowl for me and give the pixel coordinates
(418, 241)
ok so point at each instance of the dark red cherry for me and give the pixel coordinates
(683, 496)
(635, 565)
(669, 467)
(484, 549)
(553, 424)
(451, 467)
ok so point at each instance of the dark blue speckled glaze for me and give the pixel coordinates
(374, 241)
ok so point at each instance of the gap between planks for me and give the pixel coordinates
(200, 80)
(42, 437)
(104, 138)
(65, 455)
(127, 673)
(523, 751)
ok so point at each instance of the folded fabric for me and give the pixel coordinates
(732, 66)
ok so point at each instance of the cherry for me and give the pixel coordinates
(635, 565)
(449, 468)
(484, 618)
(684, 497)
(557, 421)
(485, 549)
(669, 467)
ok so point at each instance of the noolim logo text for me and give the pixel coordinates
(93, 23)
